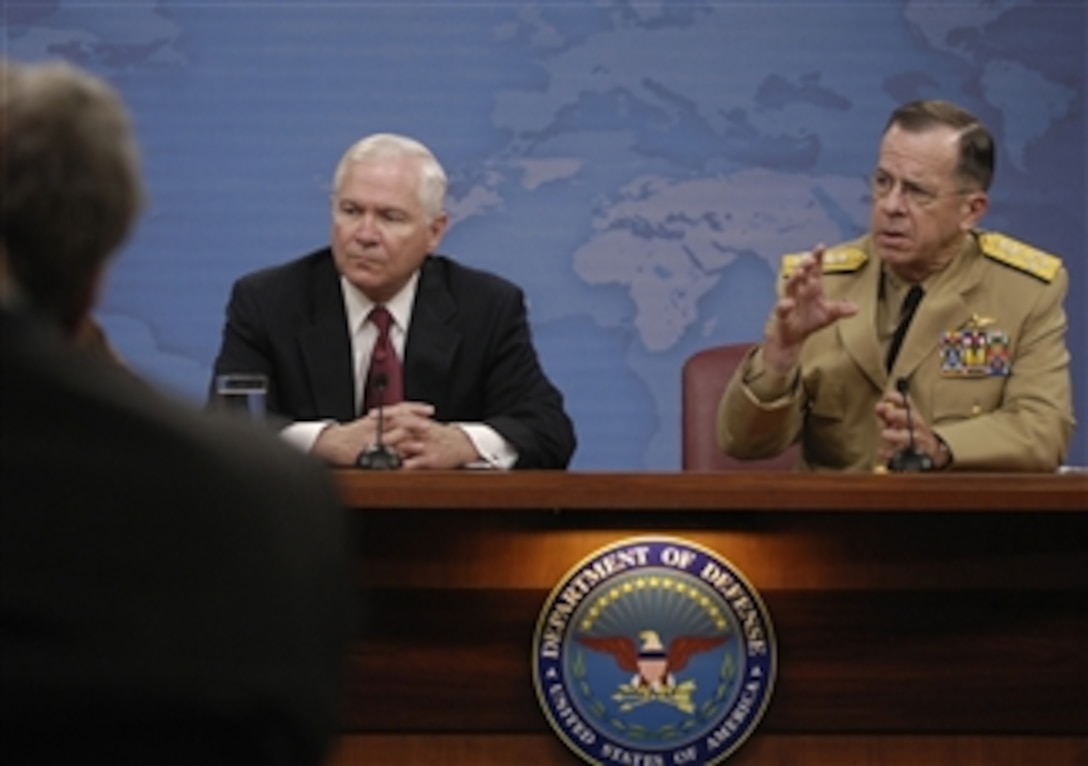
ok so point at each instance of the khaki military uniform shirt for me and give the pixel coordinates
(1022, 420)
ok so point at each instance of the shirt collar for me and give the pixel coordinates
(358, 306)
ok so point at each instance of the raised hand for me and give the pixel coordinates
(802, 309)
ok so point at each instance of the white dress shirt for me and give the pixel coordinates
(495, 451)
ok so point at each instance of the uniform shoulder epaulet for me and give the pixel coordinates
(837, 260)
(1020, 256)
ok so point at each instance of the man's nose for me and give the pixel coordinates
(894, 201)
(366, 229)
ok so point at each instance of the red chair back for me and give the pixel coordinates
(705, 375)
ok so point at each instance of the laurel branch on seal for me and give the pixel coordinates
(629, 700)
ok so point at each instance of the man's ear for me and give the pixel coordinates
(977, 204)
(437, 229)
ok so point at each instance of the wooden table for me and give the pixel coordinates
(927, 619)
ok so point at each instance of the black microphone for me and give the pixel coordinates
(911, 459)
(378, 456)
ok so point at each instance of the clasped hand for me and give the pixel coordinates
(408, 428)
(896, 428)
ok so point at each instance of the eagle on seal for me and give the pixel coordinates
(651, 663)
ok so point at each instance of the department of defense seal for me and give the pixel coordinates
(654, 651)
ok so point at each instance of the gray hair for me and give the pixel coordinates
(71, 183)
(432, 178)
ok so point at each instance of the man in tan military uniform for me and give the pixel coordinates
(982, 358)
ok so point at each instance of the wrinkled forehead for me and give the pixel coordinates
(381, 179)
(931, 154)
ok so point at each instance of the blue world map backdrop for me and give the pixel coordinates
(637, 167)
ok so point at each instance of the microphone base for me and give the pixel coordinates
(378, 458)
(910, 460)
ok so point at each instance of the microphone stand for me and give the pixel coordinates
(911, 459)
(379, 456)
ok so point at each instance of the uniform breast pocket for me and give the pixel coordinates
(962, 398)
(827, 402)
(836, 434)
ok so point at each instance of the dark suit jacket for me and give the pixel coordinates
(468, 352)
(174, 588)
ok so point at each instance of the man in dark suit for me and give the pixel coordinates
(474, 393)
(174, 588)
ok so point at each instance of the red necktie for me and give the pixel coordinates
(385, 378)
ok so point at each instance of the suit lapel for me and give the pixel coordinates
(943, 308)
(325, 346)
(432, 341)
(858, 333)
